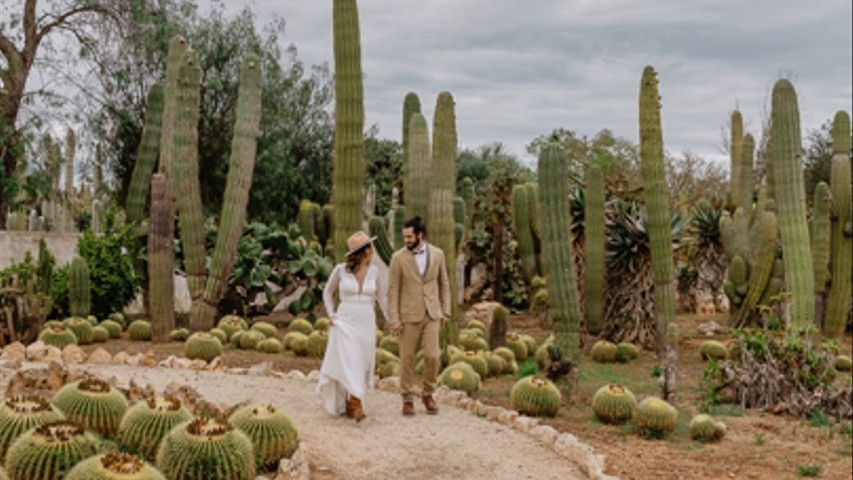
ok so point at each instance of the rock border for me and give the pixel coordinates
(564, 444)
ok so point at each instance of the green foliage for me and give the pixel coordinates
(809, 470)
(272, 433)
(92, 403)
(147, 422)
(527, 369)
(384, 166)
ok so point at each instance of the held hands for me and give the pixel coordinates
(443, 321)
(332, 319)
(396, 328)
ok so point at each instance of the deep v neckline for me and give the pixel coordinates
(360, 283)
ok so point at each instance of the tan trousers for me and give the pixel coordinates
(424, 333)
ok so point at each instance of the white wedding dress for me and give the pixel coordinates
(350, 354)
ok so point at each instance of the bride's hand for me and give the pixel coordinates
(332, 319)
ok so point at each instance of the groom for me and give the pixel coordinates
(418, 304)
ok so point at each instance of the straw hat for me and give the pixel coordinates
(357, 241)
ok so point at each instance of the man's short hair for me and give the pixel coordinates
(416, 223)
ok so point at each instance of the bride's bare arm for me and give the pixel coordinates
(329, 292)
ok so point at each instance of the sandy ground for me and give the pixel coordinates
(452, 445)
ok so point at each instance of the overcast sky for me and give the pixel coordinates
(518, 69)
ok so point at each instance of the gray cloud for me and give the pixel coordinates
(520, 69)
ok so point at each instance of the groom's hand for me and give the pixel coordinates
(396, 328)
(443, 321)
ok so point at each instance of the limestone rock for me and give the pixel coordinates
(120, 358)
(296, 375)
(36, 351)
(313, 376)
(73, 354)
(54, 354)
(134, 360)
(148, 360)
(15, 351)
(100, 356)
(198, 364)
(389, 384)
(525, 424)
(508, 417)
(216, 365)
(546, 434)
(262, 369)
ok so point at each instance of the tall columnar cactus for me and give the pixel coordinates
(306, 219)
(745, 180)
(763, 244)
(177, 49)
(161, 298)
(557, 248)
(460, 227)
(522, 231)
(241, 165)
(819, 228)
(841, 290)
(146, 157)
(411, 106)
(44, 269)
(468, 194)
(595, 249)
(383, 246)
(443, 183)
(735, 155)
(185, 179)
(536, 225)
(399, 220)
(70, 152)
(324, 228)
(790, 196)
(657, 208)
(418, 181)
(349, 119)
(79, 290)
(769, 180)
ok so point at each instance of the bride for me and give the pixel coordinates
(349, 363)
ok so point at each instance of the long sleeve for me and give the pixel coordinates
(444, 287)
(382, 295)
(329, 291)
(395, 281)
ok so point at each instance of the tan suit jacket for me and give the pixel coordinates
(411, 297)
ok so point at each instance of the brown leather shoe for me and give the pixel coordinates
(348, 412)
(430, 405)
(408, 409)
(354, 404)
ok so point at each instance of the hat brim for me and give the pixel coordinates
(361, 247)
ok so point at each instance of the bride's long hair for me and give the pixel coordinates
(355, 258)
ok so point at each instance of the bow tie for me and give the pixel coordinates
(419, 252)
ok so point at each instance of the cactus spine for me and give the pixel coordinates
(443, 183)
(595, 251)
(418, 181)
(186, 183)
(241, 165)
(161, 301)
(349, 120)
(79, 292)
(657, 209)
(411, 106)
(735, 156)
(842, 229)
(790, 199)
(146, 157)
(557, 248)
(521, 227)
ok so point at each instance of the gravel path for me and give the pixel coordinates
(456, 444)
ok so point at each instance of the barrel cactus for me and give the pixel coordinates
(81, 328)
(322, 323)
(79, 291)
(496, 363)
(506, 353)
(113, 328)
(460, 376)
(93, 320)
(614, 404)
(705, 428)
(50, 450)
(477, 362)
(541, 356)
(536, 396)
(58, 336)
(139, 330)
(300, 325)
(604, 352)
(272, 433)
(250, 339)
(231, 324)
(220, 334)
(118, 317)
(203, 346)
(114, 466)
(843, 363)
(472, 340)
(270, 345)
(299, 344)
(317, 342)
(92, 403)
(147, 422)
(655, 417)
(179, 335)
(518, 346)
(383, 356)
(100, 334)
(628, 351)
(476, 324)
(391, 343)
(713, 350)
(266, 328)
(21, 413)
(389, 369)
(205, 448)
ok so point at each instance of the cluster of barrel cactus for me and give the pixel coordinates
(536, 396)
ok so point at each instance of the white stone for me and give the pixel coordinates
(389, 384)
(285, 302)
(54, 354)
(36, 351)
(15, 351)
(546, 434)
(296, 375)
(216, 364)
(73, 354)
(133, 360)
(262, 369)
(493, 412)
(508, 417)
(120, 358)
(525, 424)
(237, 371)
(169, 362)
(313, 376)
(99, 356)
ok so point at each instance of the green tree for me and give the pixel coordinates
(384, 167)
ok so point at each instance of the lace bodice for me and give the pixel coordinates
(373, 289)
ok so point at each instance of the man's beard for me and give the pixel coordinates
(415, 246)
